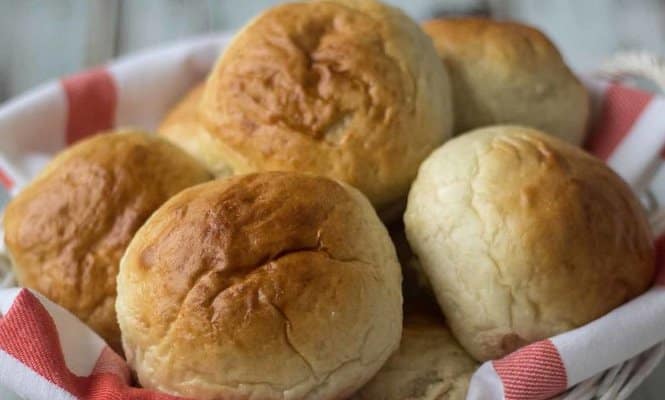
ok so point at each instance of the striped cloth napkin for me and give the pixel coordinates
(46, 353)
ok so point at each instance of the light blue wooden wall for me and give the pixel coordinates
(42, 39)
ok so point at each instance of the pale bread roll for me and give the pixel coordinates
(182, 127)
(509, 73)
(524, 236)
(428, 365)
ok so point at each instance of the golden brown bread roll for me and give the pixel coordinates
(524, 236)
(428, 365)
(509, 73)
(182, 127)
(271, 286)
(351, 90)
(67, 230)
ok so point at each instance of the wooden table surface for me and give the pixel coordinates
(44, 39)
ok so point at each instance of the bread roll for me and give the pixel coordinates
(506, 72)
(429, 365)
(66, 231)
(182, 127)
(524, 236)
(352, 90)
(267, 286)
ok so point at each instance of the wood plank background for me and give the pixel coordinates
(44, 39)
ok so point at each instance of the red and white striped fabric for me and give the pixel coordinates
(45, 353)
(136, 91)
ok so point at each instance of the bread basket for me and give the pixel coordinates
(138, 90)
